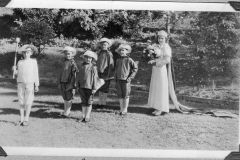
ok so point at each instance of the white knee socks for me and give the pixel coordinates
(68, 107)
(121, 104)
(125, 104)
(22, 113)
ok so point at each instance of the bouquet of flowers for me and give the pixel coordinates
(149, 53)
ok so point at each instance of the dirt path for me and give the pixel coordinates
(107, 130)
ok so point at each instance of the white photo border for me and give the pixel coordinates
(127, 5)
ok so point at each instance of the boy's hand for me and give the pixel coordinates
(128, 80)
(36, 89)
(14, 68)
(93, 91)
(73, 91)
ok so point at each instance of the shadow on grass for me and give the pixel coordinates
(40, 93)
(8, 111)
(8, 93)
(10, 122)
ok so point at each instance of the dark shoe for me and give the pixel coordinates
(164, 113)
(81, 120)
(123, 113)
(118, 112)
(21, 123)
(25, 123)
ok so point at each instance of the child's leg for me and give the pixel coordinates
(68, 107)
(69, 98)
(89, 102)
(28, 110)
(84, 110)
(22, 112)
(100, 102)
(121, 104)
(126, 94)
(119, 93)
(88, 111)
(83, 96)
(125, 104)
(21, 99)
(65, 106)
(29, 96)
(106, 90)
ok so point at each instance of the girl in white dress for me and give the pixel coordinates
(159, 86)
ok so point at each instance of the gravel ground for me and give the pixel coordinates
(138, 130)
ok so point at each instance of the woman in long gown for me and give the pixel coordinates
(159, 86)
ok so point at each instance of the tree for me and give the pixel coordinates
(40, 14)
(34, 32)
(215, 41)
(126, 22)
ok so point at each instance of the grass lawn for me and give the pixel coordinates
(50, 63)
(139, 129)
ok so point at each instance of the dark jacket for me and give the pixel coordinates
(68, 73)
(87, 76)
(126, 69)
(105, 64)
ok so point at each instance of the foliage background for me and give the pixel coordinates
(205, 44)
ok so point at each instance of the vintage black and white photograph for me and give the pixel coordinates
(119, 79)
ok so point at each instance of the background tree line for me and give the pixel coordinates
(212, 37)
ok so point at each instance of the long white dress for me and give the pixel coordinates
(159, 85)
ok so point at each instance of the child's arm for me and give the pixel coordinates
(15, 71)
(36, 76)
(110, 67)
(133, 72)
(94, 79)
(74, 71)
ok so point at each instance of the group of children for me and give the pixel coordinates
(93, 74)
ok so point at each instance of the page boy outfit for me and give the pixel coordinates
(88, 80)
(125, 71)
(67, 76)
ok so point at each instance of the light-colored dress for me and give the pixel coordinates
(159, 85)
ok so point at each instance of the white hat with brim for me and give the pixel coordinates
(91, 54)
(70, 49)
(162, 33)
(106, 40)
(124, 46)
(27, 47)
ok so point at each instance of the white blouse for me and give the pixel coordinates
(28, 71)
